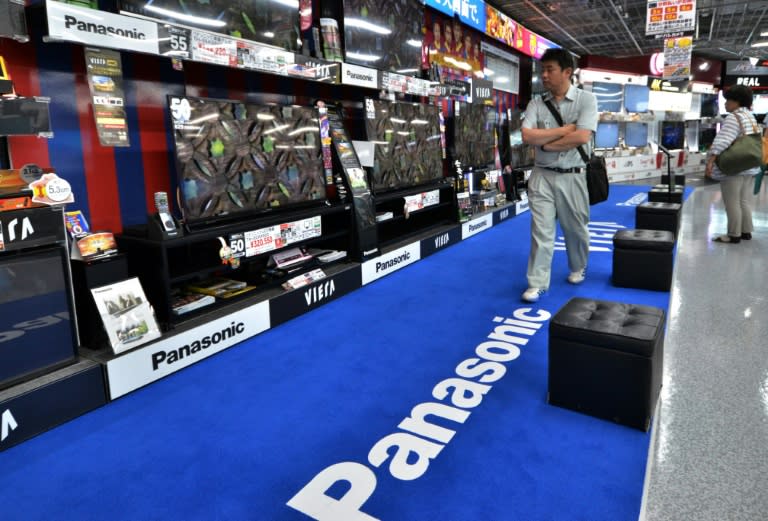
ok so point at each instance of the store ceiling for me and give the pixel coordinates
(616, 28)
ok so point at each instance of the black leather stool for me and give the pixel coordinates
(679, 179)
(643, 259)
(663, 195)
(605, 360)
(658, 216)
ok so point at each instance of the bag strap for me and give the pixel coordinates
(559, 119)
(741, 124)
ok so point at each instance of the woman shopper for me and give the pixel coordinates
(737, 189)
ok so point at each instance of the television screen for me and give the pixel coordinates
(636, 134)
(673, 134)
(706, 137)
(636, 98)
(266, 21)
(609, 96)
(473, 139)
(408, 149)
(607, 135)
(234, 158)
(709, 106)
(521, 155)
(384, 35)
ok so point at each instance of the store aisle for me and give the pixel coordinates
(709, 453)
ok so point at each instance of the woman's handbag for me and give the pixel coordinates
(597, 173)
(745, 152)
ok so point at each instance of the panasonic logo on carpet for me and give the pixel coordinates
(418, 441)
(174, 355)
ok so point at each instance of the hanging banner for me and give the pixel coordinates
(677, 58)
(469, 12)
(668, 18)
(506, 30)
(105, 79)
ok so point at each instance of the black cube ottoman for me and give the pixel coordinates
(606, 360)
(658, 216)
(643, 259)
(663, 195)
(679, 179)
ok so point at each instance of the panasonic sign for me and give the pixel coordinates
(360, 76)
(390, 262)
(101, 29)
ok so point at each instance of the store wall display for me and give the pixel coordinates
(384, 35)
(408, 143)
(235, 158)
(472, 132)
(521, 155)
(265, 21)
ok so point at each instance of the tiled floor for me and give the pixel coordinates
(708, 458)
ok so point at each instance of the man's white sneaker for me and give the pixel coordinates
(577, 277)
(532, 294)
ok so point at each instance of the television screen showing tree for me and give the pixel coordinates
(521, 155)
(473, 136)
(408, 143)
(385, 35)
(266, 21)
(235, 158)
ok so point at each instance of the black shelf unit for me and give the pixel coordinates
(402, 226)
(167, 264)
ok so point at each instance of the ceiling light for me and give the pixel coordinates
(414, 43)
(363, 57)
(704, 66)
(760, 44)
(366, 25)
(199, 20)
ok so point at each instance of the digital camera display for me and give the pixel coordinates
(266, 21)
(234, 157)
(384, 35)
(474, 128)
(408, 143)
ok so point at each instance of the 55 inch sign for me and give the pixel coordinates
(174, 41)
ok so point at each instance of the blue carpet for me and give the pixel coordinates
(236, 436)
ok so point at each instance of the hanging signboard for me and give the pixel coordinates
(668, 18)
(677, 58)
(105, 79)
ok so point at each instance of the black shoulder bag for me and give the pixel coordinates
(597, 174)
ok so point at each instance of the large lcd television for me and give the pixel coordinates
(672, 134)
(706, 137)
(233, 158)
(609, 96)
(385, 35)
(473, 134)
(408, 144)
(273, 22)
(607, 135)
(636, 134)
(521, 155)
(636, 98)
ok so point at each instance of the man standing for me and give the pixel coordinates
(557, 188)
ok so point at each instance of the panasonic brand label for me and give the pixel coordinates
(390, 262)
(148, 363)
(475, 226)
(101, 29)
(360, 76)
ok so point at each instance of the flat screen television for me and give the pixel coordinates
(473, 129)
(521, 155)
(233, 158)
(607, 135)
(407, 139)
(636, 134)
(609, 96)
(272, 22)
(385, 35)
(709, 106)
(636, 98)
(672, 134)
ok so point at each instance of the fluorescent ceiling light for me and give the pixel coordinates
(302, 129)
(269, 34)
(414, 43)
(288, 3)
(419, 122)
(265, 117)
(403, 71)
(760, 44)
(199, 20)
(489, 72)
(276, 129)
(501, 79)
(363, 57)
(366, 25)
(398, 120)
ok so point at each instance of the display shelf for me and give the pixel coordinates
(166, 265)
